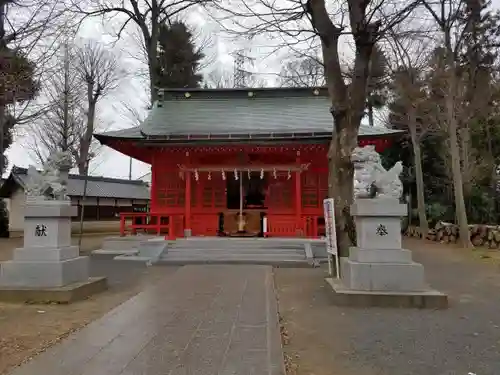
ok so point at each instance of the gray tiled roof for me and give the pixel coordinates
(244, 115)
(195, 112)
(132, 133)
(101, 187)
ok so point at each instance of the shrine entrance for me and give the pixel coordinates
(248, 191)
(246, 205)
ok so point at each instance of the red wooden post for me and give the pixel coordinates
(298, 200)
(122, 225)
(171, 228)
(187, 210)
(154, 166)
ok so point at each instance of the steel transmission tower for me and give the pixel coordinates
(241, 76)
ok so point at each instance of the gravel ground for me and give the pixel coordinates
(322, 339)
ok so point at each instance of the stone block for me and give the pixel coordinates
(396, 277)
(319, 249)
(44, 274)
(62, 209)
(47, 232)
(378, 232)
(43, 254)
(378, 207)
(152, 249)
(427, 299)
(357, 254)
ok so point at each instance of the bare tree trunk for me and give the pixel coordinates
(461, 212)
(2, 139)
(152, 80)
(340, 183)
(419, 175)
(83, 164)
(3, 46)
(152, 45)
(371, 121)
(65, 128)
(465, 165)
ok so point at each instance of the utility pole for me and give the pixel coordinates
(84, 198)
(130, 169)
(3, 46)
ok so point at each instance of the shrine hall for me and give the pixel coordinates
(236, 162)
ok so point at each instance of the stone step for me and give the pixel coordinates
(219, 245)
(271, 262)
(234, 260)
(232, 256)
(240, 240)
(133, 251)
(134, 258)
(123, 243)
(245, 240)
(238, 250)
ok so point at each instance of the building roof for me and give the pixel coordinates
(99, 187)
(230, 114)
(146, 177)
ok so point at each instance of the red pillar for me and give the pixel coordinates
(187, 209)
(154, 203)
(298, 200)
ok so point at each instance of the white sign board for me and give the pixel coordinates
(331, 234)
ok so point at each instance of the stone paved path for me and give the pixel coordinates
(204, 320)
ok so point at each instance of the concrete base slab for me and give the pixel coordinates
(66, 294)
(48, 274)
(343, 296)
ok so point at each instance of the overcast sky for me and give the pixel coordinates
(134, 91)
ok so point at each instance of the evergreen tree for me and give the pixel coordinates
(377, 83)
(178, 57)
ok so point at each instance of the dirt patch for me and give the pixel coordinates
(323, 339)
(26, 330)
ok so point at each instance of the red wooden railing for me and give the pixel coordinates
(205, 224)
(282, 225)
(285, 225)
(314, 225)
(172, 225)
(151, 222)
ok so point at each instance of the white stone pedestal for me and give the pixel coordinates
(379, 263)
(379, 271)
(47, 259)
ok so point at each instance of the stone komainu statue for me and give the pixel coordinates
(371, 179)
(50, 184)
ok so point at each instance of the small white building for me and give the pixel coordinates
(105, 198)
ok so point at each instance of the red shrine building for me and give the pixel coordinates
(236, 162)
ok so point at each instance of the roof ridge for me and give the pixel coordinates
(24, 171)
